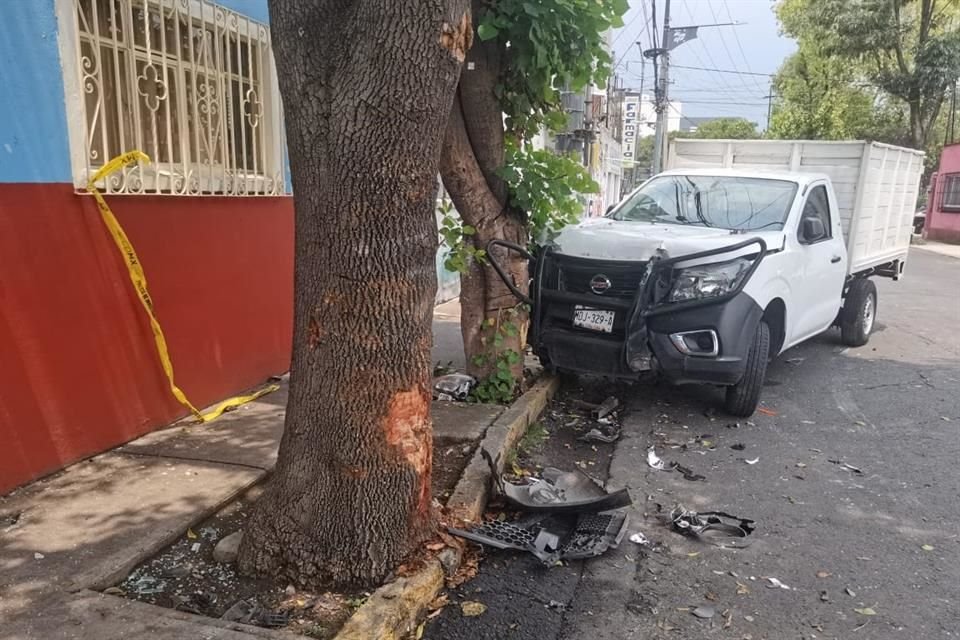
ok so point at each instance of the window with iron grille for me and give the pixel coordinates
(951, 192)
(188, 82)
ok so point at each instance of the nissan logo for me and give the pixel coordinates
(600, 284)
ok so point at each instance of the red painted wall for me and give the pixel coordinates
(78, 367)
(943, 225)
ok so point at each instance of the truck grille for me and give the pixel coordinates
(624, 277)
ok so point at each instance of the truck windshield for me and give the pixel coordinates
(724, 202)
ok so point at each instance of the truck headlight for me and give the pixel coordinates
(708, 280)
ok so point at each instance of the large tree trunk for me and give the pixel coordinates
(473, 151)
(367, 86)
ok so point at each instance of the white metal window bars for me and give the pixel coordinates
(189, 83)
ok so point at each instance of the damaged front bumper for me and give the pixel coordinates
(611, 317)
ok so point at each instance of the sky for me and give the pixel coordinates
(753, 47)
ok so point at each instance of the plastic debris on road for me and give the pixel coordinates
(639, 538)
(774, 583)
(654, 461)
(568, 516)
(714, 526)
(453, 386)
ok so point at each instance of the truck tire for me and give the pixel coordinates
(859, 313)
(743, 397)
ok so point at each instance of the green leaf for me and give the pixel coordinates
(486, 31)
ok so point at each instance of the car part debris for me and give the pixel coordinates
(552, 538)
(596, 435)
(606, 407)
(251, 612)
(454, 386)
(848, 467)
(639, 538)
(559, 491)
(709, 524)
(688, 473)
(775, 584)
(654, 461)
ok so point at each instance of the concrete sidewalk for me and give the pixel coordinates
(944, 249)
(87, 526)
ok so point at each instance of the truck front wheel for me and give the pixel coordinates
(743, 397)
(859, 313)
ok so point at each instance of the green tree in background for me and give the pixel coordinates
(823, 97)
(881, 68)
(724, 128)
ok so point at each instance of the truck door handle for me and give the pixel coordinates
(835, 259)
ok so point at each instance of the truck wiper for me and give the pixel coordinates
(698, 200)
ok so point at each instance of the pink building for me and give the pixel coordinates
(943, 206)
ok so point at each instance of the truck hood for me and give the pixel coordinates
(606, 239)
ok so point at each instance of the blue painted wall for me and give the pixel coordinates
(33, 126)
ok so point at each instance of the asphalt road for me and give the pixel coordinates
(885, 541)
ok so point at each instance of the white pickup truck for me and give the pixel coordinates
(739, 251)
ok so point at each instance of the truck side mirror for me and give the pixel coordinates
(813, 229)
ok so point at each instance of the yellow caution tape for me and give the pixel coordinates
(139, 281)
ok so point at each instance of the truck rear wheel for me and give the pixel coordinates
(859, 313)
(743, 397)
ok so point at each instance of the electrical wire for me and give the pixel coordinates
(736, 36)
(715, 70)
(723, 41)
(725, 87)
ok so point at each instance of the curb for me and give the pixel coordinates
(392, 612)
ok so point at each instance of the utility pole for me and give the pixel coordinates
(661, 102)
(770, 104)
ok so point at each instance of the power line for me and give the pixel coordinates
(731, 103)
(736, 36)
(715, 70)
(727, 87)
(723, 41)
(627, 27)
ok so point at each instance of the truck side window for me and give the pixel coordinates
(817, 207)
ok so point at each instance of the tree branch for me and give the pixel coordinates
(463, 178)
(482, 113)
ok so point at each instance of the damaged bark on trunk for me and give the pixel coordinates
(366, 86)
(473, 151)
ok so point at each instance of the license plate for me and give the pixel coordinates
(593, 319)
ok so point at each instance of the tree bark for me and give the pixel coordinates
(486, 302)
(473, 151)
(366, 86)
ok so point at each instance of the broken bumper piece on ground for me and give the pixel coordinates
(552, 538)
(570, 517)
